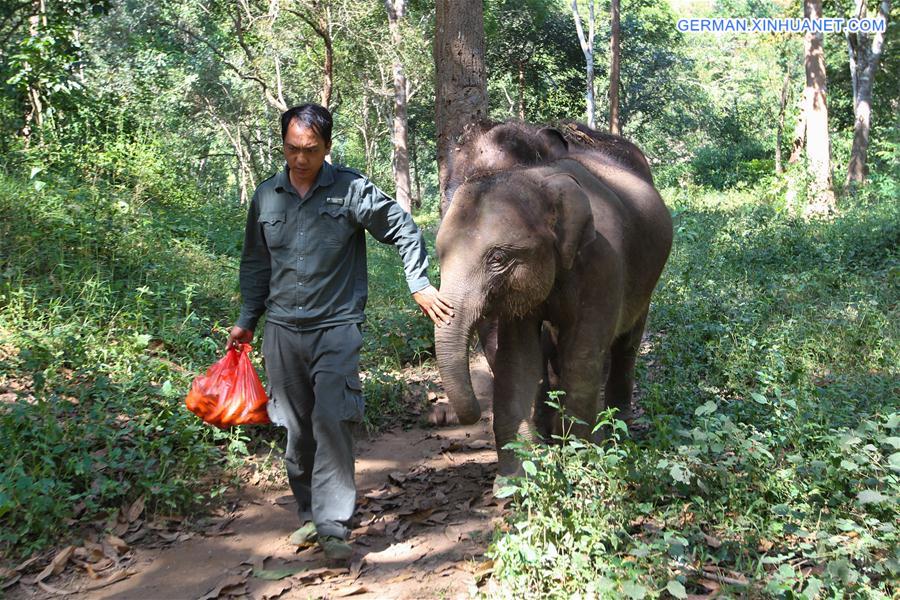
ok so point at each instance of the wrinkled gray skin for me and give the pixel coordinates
(556, 257)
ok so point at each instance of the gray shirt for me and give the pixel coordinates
(304, 259)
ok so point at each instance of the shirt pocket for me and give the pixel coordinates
(336, 224)
(274, 229)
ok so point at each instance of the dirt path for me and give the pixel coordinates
(425, 519)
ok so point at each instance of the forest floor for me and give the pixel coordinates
(425, 517)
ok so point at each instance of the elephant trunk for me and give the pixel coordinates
(452, 345)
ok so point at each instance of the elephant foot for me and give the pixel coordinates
(440, 415)
(501, 481)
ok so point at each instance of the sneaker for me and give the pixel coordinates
(305, 536)
(335, 548)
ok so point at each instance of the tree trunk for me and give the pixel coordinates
(324, 32)
(587, 47)
(395, 11)
(521, 90)
(417, 200)
(319, 20)
(35, 106)
(818, 143)
(779, 133)
(614, 56)
(865, 53)
(800, 129)
(461, 85)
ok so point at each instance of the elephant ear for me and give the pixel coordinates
(556, 144)
(570, 219)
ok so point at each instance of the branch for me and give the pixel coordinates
(241, 73)
(582, 40)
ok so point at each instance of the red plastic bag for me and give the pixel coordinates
(230, 393)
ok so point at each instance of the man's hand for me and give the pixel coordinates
(237, 336)
(439, 310)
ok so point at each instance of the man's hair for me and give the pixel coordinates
(310, 115)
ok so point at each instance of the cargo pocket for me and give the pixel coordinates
(274, 229)
(354, 403)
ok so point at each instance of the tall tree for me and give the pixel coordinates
(818, 143)
(318, 15)
(461, 83)
(40, 55)
(865, 52)
(587, 47)
(395, 11)
(614, 57)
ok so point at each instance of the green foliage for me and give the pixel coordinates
(773, 414)
(104, 315)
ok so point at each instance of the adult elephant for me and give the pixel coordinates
(572, 241)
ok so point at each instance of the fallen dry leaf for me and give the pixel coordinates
(356, 567)
(219, 533)
(7, 573)
(276, 589)
(324, 573)
(352, 591)
(90, 552)
(384, 493)
(10, 583)
(483, 570)
(397, 477)
(114, 578)
(398, 535)
(121, 528)
(712, 542)
(439, 518)
(478, 444)
(57, 565)
(27, 563)
(712, 586)
(131, 538)
(136, 509)
(117, 543)
(257, 562)
(420, 516)
(229, 582)
(52, 590)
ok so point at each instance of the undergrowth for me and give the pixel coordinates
(771, 466)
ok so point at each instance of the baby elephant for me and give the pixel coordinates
(566, 246)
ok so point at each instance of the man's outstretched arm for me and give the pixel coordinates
(390, 224)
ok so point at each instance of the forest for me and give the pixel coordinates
(765, 459)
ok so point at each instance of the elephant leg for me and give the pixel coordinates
(544, 414)
(487, 334)
(620, 383)
(517, 382)
(583, 363)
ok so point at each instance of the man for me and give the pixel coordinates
(304, 261)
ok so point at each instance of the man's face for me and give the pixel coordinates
(304, 151)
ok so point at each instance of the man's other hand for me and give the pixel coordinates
(439, 310)
(237, 336)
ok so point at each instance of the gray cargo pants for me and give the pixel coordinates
(315, 393)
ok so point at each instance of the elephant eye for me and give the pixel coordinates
(495, 257)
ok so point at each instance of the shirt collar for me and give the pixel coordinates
(324, 179)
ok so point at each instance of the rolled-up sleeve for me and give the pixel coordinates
(255, 271)
(390, 224)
